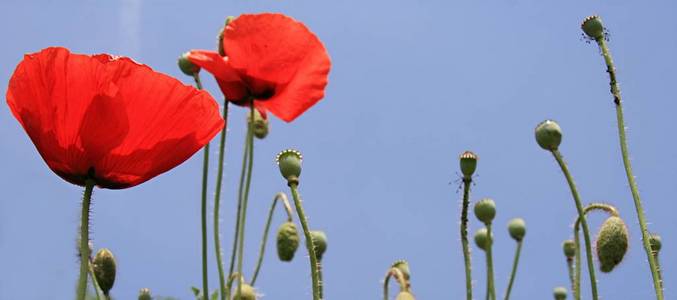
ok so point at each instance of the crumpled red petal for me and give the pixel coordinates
(228, 79)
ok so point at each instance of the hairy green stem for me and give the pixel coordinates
(310, 244)
(217, 202)
(570, 268)
(245, 196)
(514, 269)
(490, 265)
(464, 236)
(279, 196)
(84, 239)
(240, 191)
(203, 211)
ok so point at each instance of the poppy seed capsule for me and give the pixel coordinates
(548, 135)
(569, 247)
(482, 238)
(247, 293)
(485, 210)
(655, 242)
(593, 27)
(560, 293)
(403, 266)
(260, 125)
(404, 295)
(289, 162)
(320, 242)
(144, 294)
(517, 229)
(104, 269)
(468, 164)
(187, 66)
(287, 241)
(612, 243)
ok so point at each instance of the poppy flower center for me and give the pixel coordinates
(260, 89)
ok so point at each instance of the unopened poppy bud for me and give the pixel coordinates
(593, 27)
(485, 210)
(144, 294)
(287, 241)
(655, 242)
(187, 66)
(517, 229)
(104, 269)
(260, 125)
(482, 238)
(560, 293)
(612, 243)
(403, 266)
(320, 242)
(248, 293)
(548, 135)
(289, 162)
(404, 295)
(569, 247)
(468, 164)
(222, 51)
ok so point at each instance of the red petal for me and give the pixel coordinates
(228, 79)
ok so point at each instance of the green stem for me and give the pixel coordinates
(616, 92)
(205, 177)
(262, 249)
(581, 215)
(394, 272)
(84, 239)
(570, 268)
(310, 244)
(97, 289)
(577, 279)
(514, 269)
(490, 265)
(658, 264)
(385, 285)
(250, 164)
(217, 202)
(464, 236)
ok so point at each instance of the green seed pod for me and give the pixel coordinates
(104, 269)
(548, 135)
(219, 39)
(287, 241)
(248, 293)
(517, 229)
(560, 293)
(403, 266)
(260, 125)
(468, 164)
(289, 162)
(482, 238)
(144, 294)
(404, 295)
(569, 247)
(320, 242)
(187, 66)
(655, 242)
(612, 243)
(485, 210)
(593, 27)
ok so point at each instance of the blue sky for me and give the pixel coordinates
(413, 84)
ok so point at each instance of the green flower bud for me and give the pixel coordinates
(592, 26)
(655, 242)
(612, 243)
(289, 162)
(219, 39)
(104, 269)
(144, 294)
(548, 135)
(320, 242)
(517, 229)
(569, 247)
(404, 295)
(403, 266)
(560, 293)
(468, 163)
(248, 293)
(287, 241)
(482, 238)
(260, 125)
(485, 210)
(187, 66)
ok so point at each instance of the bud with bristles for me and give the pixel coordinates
(287, 241)
(289, 162)
(655, 242)
(248, 293)
(482, 238)
(104, 269)
(560, 293)
(593, 27)
(187, 66)
(517, 229)
(144, 294)
(612, 243)
(403, 266)
(569, 247)
(485, 210)
(260, 125)
(320, 242)
(404, 295)
(548, 135)
(468, 164)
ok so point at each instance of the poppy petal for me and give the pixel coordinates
(228, 79)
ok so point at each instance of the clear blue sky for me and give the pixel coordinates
(413, 84)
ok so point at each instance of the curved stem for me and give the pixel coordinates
(84, 239)
(240, 190)
(581, 215)
(97, 289)
(394, 272)
(464, 236)
(490, 265)
(217, 202)
(231, 278)
(616, 92)
(514, 269)
(250, 164)
(262, 249)
(385, 285)
(203, 211)
(310, 244)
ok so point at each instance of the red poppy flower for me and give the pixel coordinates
(108, 118)
(271, 58)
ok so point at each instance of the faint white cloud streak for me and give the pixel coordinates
(130, 20)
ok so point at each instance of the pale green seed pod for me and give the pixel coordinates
(468, 163)
(320, 242)
(260, 125)
(560, 293)
(593, 27)
(403, 266)
(569, 248)
(404, 295)
(187, 66)
(289, 162)
(548, 135)
(485, 210)
(482, 238)
(287, 241)
(612, 243)
(104, 267)
(517, 229)
(248, 293)
(219, 39)
(144, 294)
(655, 242)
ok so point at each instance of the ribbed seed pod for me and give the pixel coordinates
(104, 269)
(287, 241)
(612, 243)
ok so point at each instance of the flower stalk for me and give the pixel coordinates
(84, 239)
(278, 197)
(217, 202)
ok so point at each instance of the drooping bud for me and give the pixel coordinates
(260, 125)
(403, 266)
(517, 229)
(187, 66)
(248, 293)
(287, 241)
(289, 162)
(468, 164)
(560, 293)
(655, 242)
(612, 243)
(320, 242)
(485, 210)
(482, 238)
(548, 135)
(219, 40)
(104, 269)
(593, 27)
(144, 294)
(569, 247)
(404, 295)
